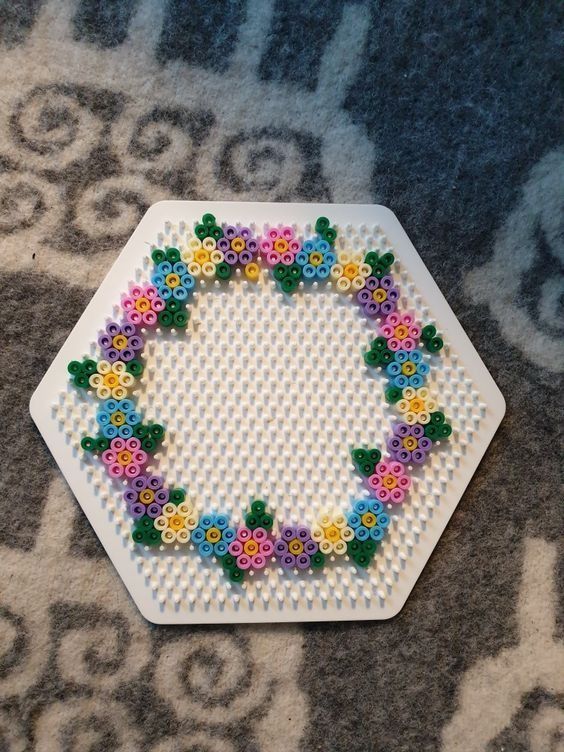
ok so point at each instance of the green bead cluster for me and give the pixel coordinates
(208, 228)
(324, 230)
(144, 532)
(437, 428)
(229, 564)
(365, 460)
(380, 264)
(172, 255)
(81, 372)
(362, 552)
(429, 337)
(150, 435)
(259, 517)
(288, 277)
(173, 315)
(379, 354)
(96, 445)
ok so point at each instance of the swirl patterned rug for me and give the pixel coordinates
(447, 113)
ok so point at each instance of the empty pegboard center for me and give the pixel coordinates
(265, 397)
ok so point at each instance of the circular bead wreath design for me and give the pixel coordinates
(126, 443)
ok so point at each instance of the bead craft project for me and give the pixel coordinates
(273, 395)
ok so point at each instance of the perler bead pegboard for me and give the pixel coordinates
(268, 412)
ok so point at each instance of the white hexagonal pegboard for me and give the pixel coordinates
(263, 396)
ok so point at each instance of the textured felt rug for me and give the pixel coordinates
(449, 113)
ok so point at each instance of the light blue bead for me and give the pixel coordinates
(383, 521)
(180, 268)
(423, 369)
(229, 534)
(401, 381)
(323, 271)
(221, 522)
(220, 548)
(188, 282)
(361, 506)
(416, 380)
(330, 258)
(205, 549)
(302, 258)
(133, 418)
(376, 533)
(158, 280)
(416, 356)
(206, 521)
(354, 520)
(103, 418)
(110, 431)
(125, 405)
(125, 431)
(322, 246)
(198, 535)
(111, 405)
(180, 293)
(309, 271)
(361, 533)
(165, 267)
(393, 369)
(376, 507)
(308, 246)
(165, 292)
(400, 356)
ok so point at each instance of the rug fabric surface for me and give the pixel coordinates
(448, 113)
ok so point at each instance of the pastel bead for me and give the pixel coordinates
(287, 533)
(267, 548)
(136, 510)
(243, 534)
(236, 548)
(288, 561)
(198, 535)
(310, 547)
(244, 562)
(397, 495)
(258, 561)
(280, 548)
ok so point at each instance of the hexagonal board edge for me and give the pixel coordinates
(170, 587)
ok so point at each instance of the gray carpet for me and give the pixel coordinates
(448, 113)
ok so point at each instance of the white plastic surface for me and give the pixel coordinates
(263, 396)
